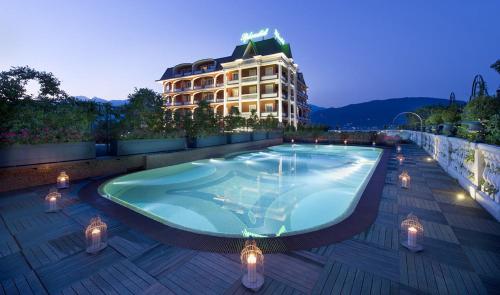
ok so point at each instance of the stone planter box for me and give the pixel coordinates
(259, 135)
(206, 141)
(240, 137)
(28, 154)
(274, 134)
(144, 146)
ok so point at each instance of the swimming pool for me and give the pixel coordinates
(279, 191)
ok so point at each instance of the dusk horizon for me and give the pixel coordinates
(348, 53)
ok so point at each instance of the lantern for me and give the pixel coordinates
(373, 143)
(412, 232)
(96, 235)
(316, 141)
(345, 141)
(293, 140)
(252, 262)
(63, 180)
(398, 149)
(404, 179)
(52, 200)
(400, 159)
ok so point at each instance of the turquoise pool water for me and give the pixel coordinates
(281, 190)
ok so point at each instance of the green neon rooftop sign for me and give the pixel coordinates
(247, 36)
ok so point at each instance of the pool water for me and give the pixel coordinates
(278, 191)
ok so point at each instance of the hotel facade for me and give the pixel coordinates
(258, 75)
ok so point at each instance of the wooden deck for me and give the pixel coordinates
(44, 253)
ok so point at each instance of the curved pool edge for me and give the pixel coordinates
(361, 218)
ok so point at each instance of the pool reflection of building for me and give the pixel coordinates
(258, 75)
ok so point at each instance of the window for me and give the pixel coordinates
(269, 88)
(234, 76)
(252, 89)
(252, 72)
(269, 71)
(269, 108)
(252, 107)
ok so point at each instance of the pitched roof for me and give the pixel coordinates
(262, 47)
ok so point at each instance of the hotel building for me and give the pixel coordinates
(258, 75)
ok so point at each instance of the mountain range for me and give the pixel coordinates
(370, 115)
(114, 102)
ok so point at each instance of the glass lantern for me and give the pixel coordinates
(293, 140)
(398, 149)
(345, 141)
(62, 180)
(316, 141)
(412, 233)
(96, 235)
(400, 159)
(374, 143)
(252, 263)
(52, 201)
(404, 179)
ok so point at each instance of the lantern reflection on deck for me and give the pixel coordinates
(252, 262)
(52, 201)
(96, 235)
(63, 180)
(412, 232)
(404, 179)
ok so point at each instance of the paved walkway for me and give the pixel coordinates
(44, 253)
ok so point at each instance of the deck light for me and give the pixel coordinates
(96, 235)
(63, 180)
(252, 262)
(428, 159)
(51, 201)
(398, 149)
(400, 159)
(414, 231)
(405, 178)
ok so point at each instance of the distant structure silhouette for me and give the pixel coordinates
(452, 98)
(478, 87)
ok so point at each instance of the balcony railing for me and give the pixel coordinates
(249, 79)
(284, 96)
(249, 96)
(236, 81)
(220, 84)
(233, 98)
(219, 100)
(268, 95)
(269, 77)
(284, 79)
(265, 114)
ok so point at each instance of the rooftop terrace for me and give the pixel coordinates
(45, 253)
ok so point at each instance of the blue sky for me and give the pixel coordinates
(349, 51)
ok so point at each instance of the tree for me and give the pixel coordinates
(13, 84)
(204, 121)
(496, 66)
(144, 112)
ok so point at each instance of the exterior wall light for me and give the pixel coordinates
(62, 180)
(404, 179)
(414, 232)
(252, 263)
(96, 235)
(52, 200)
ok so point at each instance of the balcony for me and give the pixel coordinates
(230, 82)
(265, 114)
(182, 89)
(219, 100)
(249, 96)
(249, 79)
(268, 95)
(284, 96)
(220, 84)
(233, 98)
(269, 77)
(284, 79)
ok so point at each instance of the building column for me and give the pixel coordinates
(280, 93)
(239, 90)
(258, 91)
(224, 105)
(289, 97)
(295, 119)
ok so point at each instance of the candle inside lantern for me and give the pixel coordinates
(399, 148)
(412, 236)
(252, 268)
(373, 143)
(404, 181)
(96, 238)
(52, 203)
(293, 140)
(345, 141)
